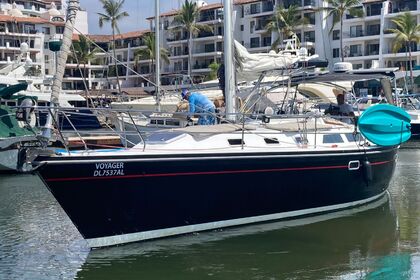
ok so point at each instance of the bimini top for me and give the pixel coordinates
(7, 92)
(336, 77)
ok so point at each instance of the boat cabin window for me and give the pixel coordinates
(172, 122)
(353, 137)
(271, 140)
(157, 122)
(235, 142)
(298, 140)
(77, 103)
(43, 103)
(332, 138)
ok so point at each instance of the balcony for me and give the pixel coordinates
(298, 3)
(371, 53)
(201, 66)
(264, 7)
(261, 24)
(176, 38)
(205, 34)
(207, 18)
(355, 54)
(361, 33)
(402, 6)
(373, 9)
(309, 3)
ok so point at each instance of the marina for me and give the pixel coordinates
(183, 151)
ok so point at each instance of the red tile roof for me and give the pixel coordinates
(132, 34)
(9, 18)
(241, 2)
(108, 38)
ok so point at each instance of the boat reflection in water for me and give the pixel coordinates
(348, 244)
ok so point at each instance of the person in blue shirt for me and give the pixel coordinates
(200, 104)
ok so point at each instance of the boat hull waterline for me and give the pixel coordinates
(120, 199)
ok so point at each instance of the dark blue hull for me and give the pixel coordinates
(83, 119)
(131, 198)
(415, 130)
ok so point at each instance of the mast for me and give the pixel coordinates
(229, 61)
(72, 9)
(157, 52)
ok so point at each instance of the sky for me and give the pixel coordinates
(138, 10)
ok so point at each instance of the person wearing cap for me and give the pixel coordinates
(342, 108)
(200, 104)
(345, 109)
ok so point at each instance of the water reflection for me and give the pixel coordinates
(331, 245)
(37, 240)
(377, 241)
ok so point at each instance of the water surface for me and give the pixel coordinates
(376, 241)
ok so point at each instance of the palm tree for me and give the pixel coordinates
(407, 31)
(283, 22)
(149, 52)
(187, 18)
(214, 67)
(113, 14)
(83, 53)
(337, 10)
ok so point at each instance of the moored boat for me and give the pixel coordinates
(194, 179)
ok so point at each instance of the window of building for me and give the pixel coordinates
(46, 58)
(46, 30)
(357, 66)
(373, 9)
(255, 8)
(309, 36)
(336, 53)
(309, 18)
(209, 48)
(59, 29)
(242, 27)
(255, 42)
(356, 31)
(46, 46)
(266, 41)
(355, 50)
(219, 47)
(336, 35)
(251, 27)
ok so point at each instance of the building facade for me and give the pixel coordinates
(366, 40)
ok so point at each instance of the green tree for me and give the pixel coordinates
(149, 52)
(337, 10)
(407, 31)
(83, 52)
(187, 18)
(214, 67)
(113, 14)
(283, 22)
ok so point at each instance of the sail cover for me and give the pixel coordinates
(254, 64)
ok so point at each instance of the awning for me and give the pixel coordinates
(7, 92)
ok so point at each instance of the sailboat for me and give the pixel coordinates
(209, 177)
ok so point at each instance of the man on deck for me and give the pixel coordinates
(200, 104)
